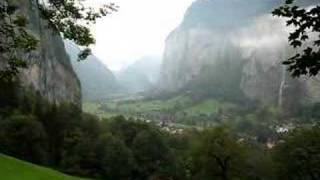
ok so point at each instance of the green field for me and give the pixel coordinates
(14, 169)
(207, 107)
(181, 107)
(136, 106)
(94, 108)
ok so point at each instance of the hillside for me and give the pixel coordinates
(14, 169)
(97, 81)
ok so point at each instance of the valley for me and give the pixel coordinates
(179, 110)
(160, 90)
(163, 113)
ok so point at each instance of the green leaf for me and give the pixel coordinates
(20, 21)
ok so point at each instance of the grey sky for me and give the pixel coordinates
(138, 29)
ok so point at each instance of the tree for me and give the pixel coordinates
(60, 122)
(306, 36)
(116, 159)
(217, 155)
(24, 137)
(152, 155)
(8, 95)
(71, 18)
(78, 135)
(124, 129)
(298, 156)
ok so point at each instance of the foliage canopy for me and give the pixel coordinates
(306, 37)
(71, 18)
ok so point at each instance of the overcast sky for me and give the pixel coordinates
(139, 28)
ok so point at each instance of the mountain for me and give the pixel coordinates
(96, 79)
(233, 50)
(50, 72)
(140, 76)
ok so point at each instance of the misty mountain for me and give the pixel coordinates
(230, 13)
(97, 81)
(233, 50)
(140, 76)
(225, 13)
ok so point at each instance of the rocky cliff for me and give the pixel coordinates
(50, 72)
(234, 47)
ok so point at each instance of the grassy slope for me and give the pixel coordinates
(209, 106)
(14, 169)
(205, 107)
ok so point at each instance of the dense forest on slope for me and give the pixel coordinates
(118, 148)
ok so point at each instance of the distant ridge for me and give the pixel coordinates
(142, 75)
(97, 81)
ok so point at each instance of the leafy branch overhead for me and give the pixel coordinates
(71, 18)
(305, 38)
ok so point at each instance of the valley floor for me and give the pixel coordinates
(180, 111)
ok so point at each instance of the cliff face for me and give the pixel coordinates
(239, 42)
(50, 72)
